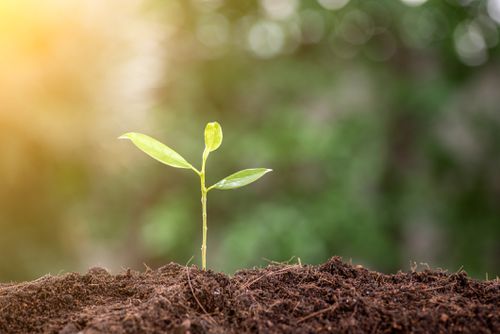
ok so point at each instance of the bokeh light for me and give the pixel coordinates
(414, 3)
(266, 38)
(494, 10)
(279, 9)
(470, 44)
(333, 4)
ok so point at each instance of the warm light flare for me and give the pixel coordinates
(70, 69)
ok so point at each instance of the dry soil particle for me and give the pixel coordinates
(331, 298)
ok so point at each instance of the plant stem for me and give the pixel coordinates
(205, 228)
(204, 192)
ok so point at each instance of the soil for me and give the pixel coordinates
(334, 297)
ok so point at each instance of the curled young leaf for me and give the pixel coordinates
(157, 150)
(213, 136)
(241, 178)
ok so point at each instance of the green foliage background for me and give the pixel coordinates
(383, 135)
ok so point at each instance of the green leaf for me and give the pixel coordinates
(157, 150)
(241, 178)
(213, 136)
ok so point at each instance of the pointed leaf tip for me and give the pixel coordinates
(241, 178)
(124, 136)
(213, 136)
(157, 150)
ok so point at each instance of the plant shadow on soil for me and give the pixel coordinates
(334, 297)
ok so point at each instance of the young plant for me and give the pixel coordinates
(213, 139)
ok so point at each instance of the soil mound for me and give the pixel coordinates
(334, 297)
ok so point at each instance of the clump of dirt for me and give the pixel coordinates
(334, 297)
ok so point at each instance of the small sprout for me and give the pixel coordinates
(213, 139)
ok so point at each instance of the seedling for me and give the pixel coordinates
(213, 139)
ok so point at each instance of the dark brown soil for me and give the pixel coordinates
(331, 298)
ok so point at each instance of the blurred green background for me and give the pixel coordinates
(380, 118)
